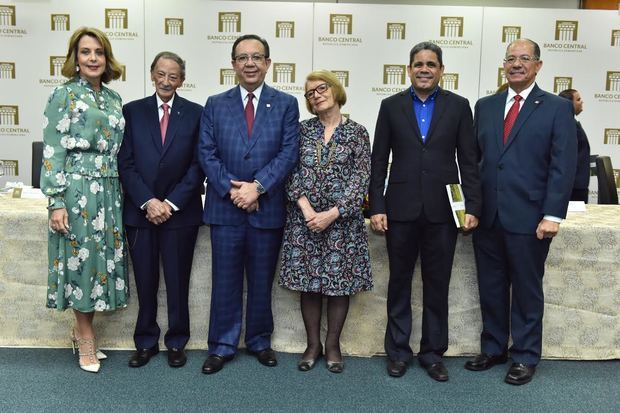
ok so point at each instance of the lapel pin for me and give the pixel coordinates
(268, 105)
(537, 102)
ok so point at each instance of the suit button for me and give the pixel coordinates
(246, 157)
(423, 172)
(423, 149)
(500, 166)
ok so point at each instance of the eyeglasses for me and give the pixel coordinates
(244, 58)
(511, 60)
(320, 89)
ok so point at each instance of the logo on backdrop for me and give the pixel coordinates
(284, 78)
(340, 31)
(449, 81)
(612, 88)
(229, 22)
(9, 167)
(285, 30)
(561, 83)
(56, 64)
(9, 121)
(342, 76)
(117, 23)
(228, 77)
(60, 22)
(228, 27)
(612, 136)
(451, 30)
(615, 37)
(7, 70)
(396, 31)
(173, 26)
(501, 79)
(8, 20)
(566, 34)
(393, 80)
(510, 33)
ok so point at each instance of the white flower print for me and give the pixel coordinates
(61, 178)
(83, 253)
(98, 162)
(121, 124)
(100, 305)
(48, 151)
(102, 145)
(73, 263)
(95, 187)
(63, 124)
(78, 293)
(111, 266)
(82, 144)
(120, 284)
(77, 177)
(97, 291)
(53, 296)
(80, 106)
(75, 210)
(98, 222)
(82, 201)
(46, 121)
(67, 142)
(113, 120)
(68, 290)
(118, 254)
(61, 266)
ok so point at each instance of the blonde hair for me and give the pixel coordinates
(340, 96)
(113, 69)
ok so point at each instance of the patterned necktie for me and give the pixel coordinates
(511, 117)
(163, 123)
(249, 113)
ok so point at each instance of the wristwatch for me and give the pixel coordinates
(259, 187)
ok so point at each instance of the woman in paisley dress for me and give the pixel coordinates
(325, 249)
(83, 129)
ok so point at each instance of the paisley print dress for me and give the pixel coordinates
(334, 262)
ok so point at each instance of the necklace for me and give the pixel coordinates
(331, 150)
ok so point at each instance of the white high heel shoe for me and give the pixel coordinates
(74, 338)
(86, 348)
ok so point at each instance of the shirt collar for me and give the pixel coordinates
(160, 102)
(432, 96)
(257, 92)
(524, 93)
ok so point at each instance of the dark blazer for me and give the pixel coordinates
(226, 152)
(149, 170)
(420, 171)
(533, 174)
(582, 177)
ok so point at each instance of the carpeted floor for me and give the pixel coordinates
(38, 380)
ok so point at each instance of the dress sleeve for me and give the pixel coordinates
(357, 185)
(57, 121)
(295, 183)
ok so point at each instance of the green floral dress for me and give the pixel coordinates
(82, 134)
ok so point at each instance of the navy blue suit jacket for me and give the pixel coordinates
(533, 174)
(226, 153)
(148, 169)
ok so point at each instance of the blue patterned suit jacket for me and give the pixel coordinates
(226, 152)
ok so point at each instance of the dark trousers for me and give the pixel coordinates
(435, 243)
(175, 247)
(579, 195)
(238, 250)
(506, 260)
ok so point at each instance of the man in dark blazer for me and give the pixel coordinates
(528, 150)
(425, 128)
(249, 142)
(162, 182)
(582, 176)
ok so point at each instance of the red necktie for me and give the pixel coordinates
(511, 117)
(249, 113)
(163, 123)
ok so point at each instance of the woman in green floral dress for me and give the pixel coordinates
(82, 133)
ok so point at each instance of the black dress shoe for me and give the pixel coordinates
(267, 357)
(520, 373)
(437, 371)
(396, 368)
(485, 361)
(214, 363)
(142, 356)
(176, 357)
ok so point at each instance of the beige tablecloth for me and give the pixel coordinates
(582, 293)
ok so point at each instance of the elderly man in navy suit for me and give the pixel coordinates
(424, 127)
(162, 182)
(528, 147)
(249, 141)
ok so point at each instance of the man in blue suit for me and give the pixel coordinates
(162, 182)
(528, 148)
(249, 141)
